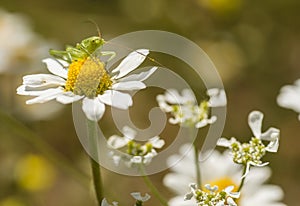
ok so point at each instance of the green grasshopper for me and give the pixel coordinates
(82, 50)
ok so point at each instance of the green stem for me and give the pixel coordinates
(196, 157)
(243, 179)
(152, 187)
(96, 171)
(197, 166)
(18, 129)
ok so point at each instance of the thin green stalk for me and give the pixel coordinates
(197, 166)
(152, 187)
(96, 171)
(243, 179)
(196, 157)
(18, 129)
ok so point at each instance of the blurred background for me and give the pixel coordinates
(255, 46)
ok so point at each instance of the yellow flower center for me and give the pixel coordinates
(88, 77)
(224, 182)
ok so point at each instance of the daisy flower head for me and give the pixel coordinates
(85, 77)
(250, 154)
(185, 110)
(219, 172)
(289, 97)
(136, 153)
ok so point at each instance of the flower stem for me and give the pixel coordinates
(96, 171)
(15, 127)
(198, 175)
(196, 158)
(152, 187)
(243, 179)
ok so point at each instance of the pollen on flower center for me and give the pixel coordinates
(87, 77)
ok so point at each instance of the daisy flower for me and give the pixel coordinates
(87, 80)
(135, 152)
(220, 170)
(185, 110)
(250, 154)
(289, 97)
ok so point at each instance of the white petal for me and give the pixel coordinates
(117, 142)
(42, 80)
(136, 159)
(157, 142)
(217, 97)
(68, 97)
(46, 96)
(56, 68)
(289, 97)
(93, 108)
(104, 203)
(116, 99)
(132, 85)
(273, 146)
(138, 196)
(22, 90)
(129, 132)
(255, 122)
(139, 77)
(173, 97)
(131, 62)
(272, 135)
(205, 122)
(231, 202)
(229, 189)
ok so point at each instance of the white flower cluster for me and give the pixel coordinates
(250, 154)
(135, 152)
(186, 111)
(212, 197)
(220, 170)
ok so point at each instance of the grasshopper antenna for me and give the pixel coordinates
(96, 25)
(132, 50)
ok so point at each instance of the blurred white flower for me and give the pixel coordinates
(20, 46)
(21, 50)
(289, 97)
(220, 170)
(135, 152)
(89, 81)
(186, 111)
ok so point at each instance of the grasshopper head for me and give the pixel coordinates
(92, 43)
